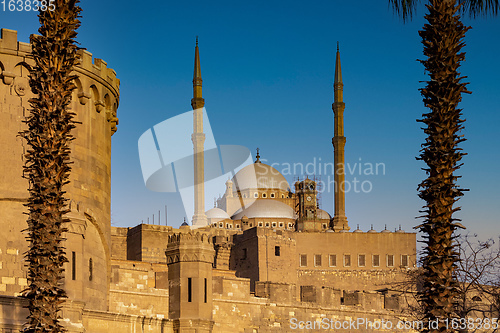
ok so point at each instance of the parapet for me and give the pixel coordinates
(190, 246)
(95, 80)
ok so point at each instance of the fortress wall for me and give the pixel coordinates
(95, 102)
(119, 243)
(148, 243)
(139, 289)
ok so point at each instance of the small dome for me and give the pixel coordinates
(260, 175)
(266, 208)
(217, 214)
(323, 214)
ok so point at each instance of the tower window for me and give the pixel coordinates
(376, 260)
(303, 260)
(190, 290)
(282, 196)
(333, 260)
(221, 225)
(317, 260)
(264, 195)
(205, 290)
(261, 224)
(73, 265)
(274, 224)
(272, 195)
(404, 260)
(390, 260)
(290, 226)
(256, 195)
(267, 224)
(277, 251)
(347, 260)
(91, 269)
(237, 226)
(361, 260)
(281, 224)
(324, 225)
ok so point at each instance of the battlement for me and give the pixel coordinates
(95, 67)
(190, 237)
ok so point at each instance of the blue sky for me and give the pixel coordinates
(268, 70)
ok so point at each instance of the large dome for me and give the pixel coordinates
(266, 208)
(217, 214)
(261, 176)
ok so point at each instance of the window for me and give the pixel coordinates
(190, 290)
(274, 224)
(376, 260)
(256, 195)
(221, 225)
(317, 260)
(237, 226)
(91, 269)
(282, 196)
(244, 254)
(281, 224)
(404, 260)
(73, 265)
(205, 290)
(361, 260)
(347, 260)
(303, 260)
(277, 251)
(333, 260)
(290, 225)
(267, 224)
(264, 195)
(272, 195)
(324, 225)
(390, 260)
(261, 224)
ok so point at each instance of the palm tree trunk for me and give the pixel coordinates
(442, 38)
(47, 161)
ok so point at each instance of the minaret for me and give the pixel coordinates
(338, 106)
(198, 138)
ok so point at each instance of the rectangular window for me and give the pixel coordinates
(317, 260)
(303, 260)
(190, 291)
(267, 224)
(390, 260)
(274, 224)
(376, 260)
(404, 260)
(91, 269)
(290, 226)
(347, 260)
(281, 224)
(244, 255)
(333, 260)
(277, 251)
(261, 224)
(205, 290)
(272, 195)
(361, 260)
(73, 265)
(324, 225)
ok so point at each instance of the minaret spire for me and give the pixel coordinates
(198, 138)
(338, 141)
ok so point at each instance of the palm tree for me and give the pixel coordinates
(442, 38)
(47, 161)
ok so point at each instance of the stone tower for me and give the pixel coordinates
(190, 255)
(198, 138)
(338, 141)
(95, 102)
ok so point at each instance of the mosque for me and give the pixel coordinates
(266, 259)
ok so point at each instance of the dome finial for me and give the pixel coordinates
(257, 157)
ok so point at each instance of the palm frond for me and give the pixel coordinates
(479, 7)
(404, 8)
